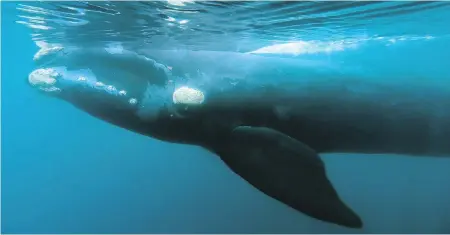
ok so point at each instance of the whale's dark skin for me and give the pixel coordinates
(269, 134)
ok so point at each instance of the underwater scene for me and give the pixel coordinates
(184, 116)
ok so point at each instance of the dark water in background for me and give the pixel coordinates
(66, 172)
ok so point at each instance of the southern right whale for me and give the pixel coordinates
(270, 134)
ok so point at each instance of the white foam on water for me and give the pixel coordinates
(306, 47)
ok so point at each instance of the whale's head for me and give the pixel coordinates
(85, 90)
(112, 87)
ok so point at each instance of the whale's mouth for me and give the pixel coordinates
(44, 79)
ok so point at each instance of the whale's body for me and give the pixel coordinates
(318, 104)
(267, 118)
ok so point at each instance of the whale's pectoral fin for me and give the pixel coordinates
(287, 170)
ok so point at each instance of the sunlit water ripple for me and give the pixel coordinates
(245, 26)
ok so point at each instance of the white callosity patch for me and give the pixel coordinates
(114, 91)
(188, 96)
(45, 51)
(111, 88)
(132, 101)
(59, 79)
(44, 79)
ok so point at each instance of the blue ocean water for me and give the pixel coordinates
(66, 172)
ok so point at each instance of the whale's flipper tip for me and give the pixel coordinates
(355, 221)
(347, 217)
(287, 170)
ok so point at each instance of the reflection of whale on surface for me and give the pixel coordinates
(269, 134)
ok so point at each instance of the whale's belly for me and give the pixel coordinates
(369, 129)
(338, 118)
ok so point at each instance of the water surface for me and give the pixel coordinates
(66, 172)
